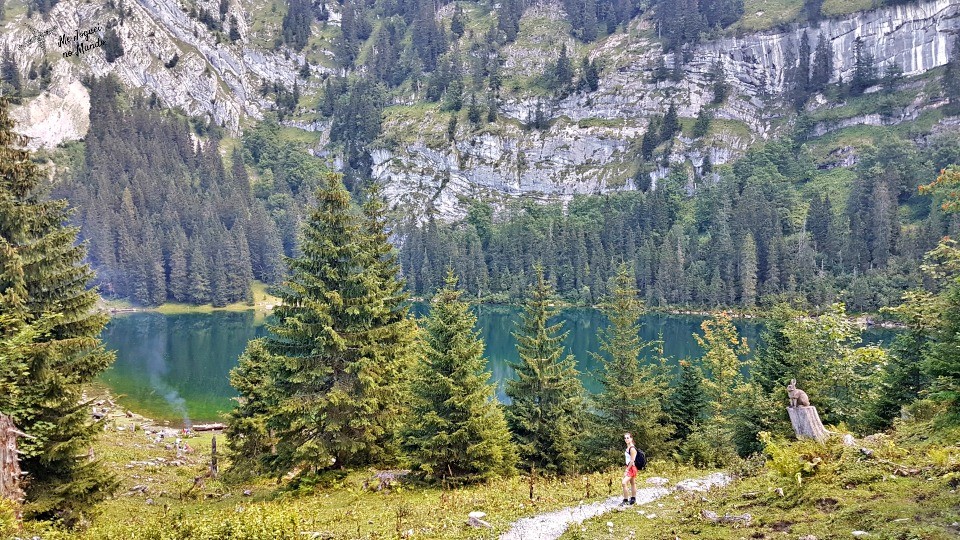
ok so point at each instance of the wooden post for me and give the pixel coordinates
(806, 423)
(10, 473)
(213, 457)
(532, 472)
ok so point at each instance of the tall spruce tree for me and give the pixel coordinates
(760, 401)
(546, 412)
(688, 401)
(822, 64)
(942, 361)
(457, 430)
(903, 376)
(864, 71)
(249, 439)
(631, 393)
(723, 348)
(951, 74)
(44, 290)
(343, 338)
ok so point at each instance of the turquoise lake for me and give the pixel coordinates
(175, 367)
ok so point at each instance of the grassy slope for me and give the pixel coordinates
(906, 490)
(348, 508)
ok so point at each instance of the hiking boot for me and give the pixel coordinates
(633, 500)
(624, 502)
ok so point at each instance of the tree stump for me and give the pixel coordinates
(806, 423)
(10, 473)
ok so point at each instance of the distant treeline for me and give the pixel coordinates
(764, 230)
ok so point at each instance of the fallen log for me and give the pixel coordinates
(217, 426)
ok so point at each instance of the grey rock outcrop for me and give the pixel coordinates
(592, 144)
(212, 77)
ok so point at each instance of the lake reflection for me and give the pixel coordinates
(176, 367)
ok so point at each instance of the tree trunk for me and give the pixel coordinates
(806, 423)
(10, 473)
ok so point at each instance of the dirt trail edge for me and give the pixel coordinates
(551, 525)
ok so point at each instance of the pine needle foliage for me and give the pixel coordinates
(342, 339)
(630, 398)
(723, 349)
(688, 401)
(249, 441)
(457, 431)
(546, 413)
(49, 327)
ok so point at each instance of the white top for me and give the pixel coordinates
(626, 456)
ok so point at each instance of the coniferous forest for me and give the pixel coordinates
(752, 238)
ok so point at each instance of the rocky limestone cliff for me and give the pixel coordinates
(575, 156)
(211, 77)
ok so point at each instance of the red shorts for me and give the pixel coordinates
(631, 471)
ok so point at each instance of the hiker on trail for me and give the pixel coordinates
(630, 474)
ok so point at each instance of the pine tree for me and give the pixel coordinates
(9, 74)
(343, 338)
(589, 21)
(630, 396)
(491, 107)
(249, 439)
(822, 64)
(112, 46)
(457, 431)
(456, 22)
(590, 75)
(474, 114)
(903, 376)
(671, 123)
(747, 271)
(545, 414)
(718, 80)
(702, 125)
(864, 72)
(942, 362)
(801, 82)
(563, 71)
(688, 402)
(951, 73)
(722, 348)
(760, 402)
(234, 34)
(198, 276)
(295, 30)
(43, 287)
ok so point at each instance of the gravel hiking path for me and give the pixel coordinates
(551, 525)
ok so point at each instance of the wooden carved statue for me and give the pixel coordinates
(797, 396)
(806, 422)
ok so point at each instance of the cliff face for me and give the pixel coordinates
(917, 37)
(575, 156)
(211, 76)
(590, 147)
